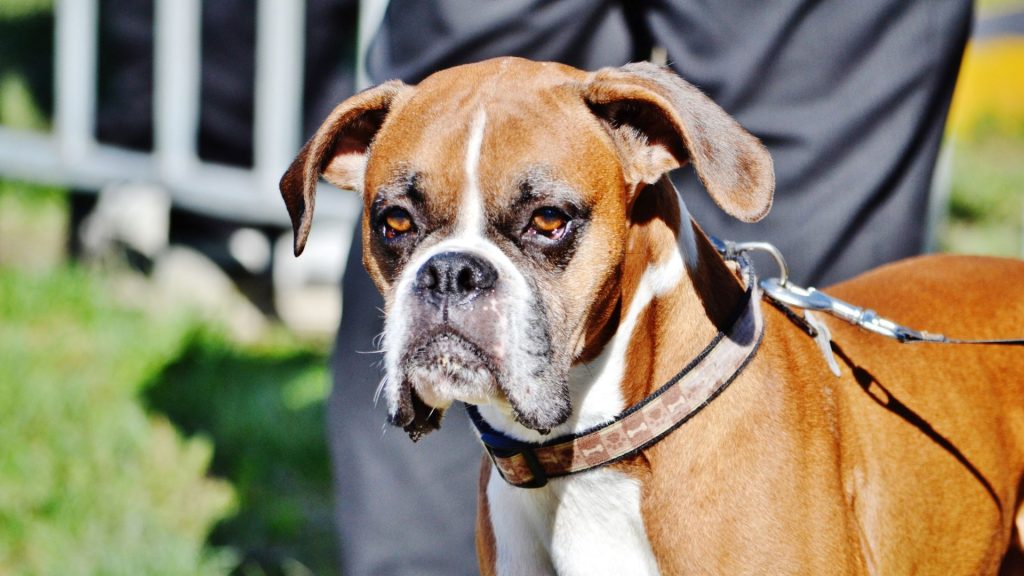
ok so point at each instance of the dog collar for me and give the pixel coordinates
(530, 465)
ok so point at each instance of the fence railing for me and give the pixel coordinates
(71, 155)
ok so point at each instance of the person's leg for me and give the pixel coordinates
(849, 97)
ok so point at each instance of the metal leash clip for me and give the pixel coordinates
(813, 299)
(784, 291)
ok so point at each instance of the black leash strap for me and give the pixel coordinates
(940, 339)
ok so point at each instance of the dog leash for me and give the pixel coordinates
(781, 291)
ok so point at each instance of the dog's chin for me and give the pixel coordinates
(446, 367)
(442, 369)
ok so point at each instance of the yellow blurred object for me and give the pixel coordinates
(989, 95)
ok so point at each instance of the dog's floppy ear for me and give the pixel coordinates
(338, 151)
(660, 121)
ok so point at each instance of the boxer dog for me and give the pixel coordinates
(644, 410)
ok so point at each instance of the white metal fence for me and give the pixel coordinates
(71, 156)
(306, 290)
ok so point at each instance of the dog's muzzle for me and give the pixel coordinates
(471, 328)
(451, 342)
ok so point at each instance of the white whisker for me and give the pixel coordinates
(380, 390)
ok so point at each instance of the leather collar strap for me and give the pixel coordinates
(530, 465)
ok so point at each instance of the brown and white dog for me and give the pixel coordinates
(537, 263)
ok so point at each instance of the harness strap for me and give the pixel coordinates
(940, 339)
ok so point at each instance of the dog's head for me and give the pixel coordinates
(497, 198)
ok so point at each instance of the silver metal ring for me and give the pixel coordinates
(770, 249)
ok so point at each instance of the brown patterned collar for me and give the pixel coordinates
(529, 465)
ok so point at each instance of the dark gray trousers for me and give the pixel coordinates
(850, 98)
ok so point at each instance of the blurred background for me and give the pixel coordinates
(163, 357)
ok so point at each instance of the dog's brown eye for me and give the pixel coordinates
(396, 223)
(549, 221)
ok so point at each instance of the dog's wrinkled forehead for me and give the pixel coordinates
(531, 136)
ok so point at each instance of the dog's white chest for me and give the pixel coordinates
(586, 524)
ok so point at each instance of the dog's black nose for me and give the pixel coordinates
(455, 277)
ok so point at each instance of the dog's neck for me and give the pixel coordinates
(659, 312)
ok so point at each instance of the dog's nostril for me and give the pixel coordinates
(471, 279)
(465, 282)
(485, 277)
(428, 278)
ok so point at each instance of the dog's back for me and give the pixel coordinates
(935, 432)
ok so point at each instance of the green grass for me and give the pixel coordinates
(139, 441)
(263, 407)
(16, 8)
(144, 441)
(33, 226)
(89, 482)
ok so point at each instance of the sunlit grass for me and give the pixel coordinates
(986, 131)
(16, 8)
(987, 201)
(89, 482)
(129, 434)
(995, 6)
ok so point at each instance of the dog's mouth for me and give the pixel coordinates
(415, 417)
(498, 352)
(447, 366)
(442, 368)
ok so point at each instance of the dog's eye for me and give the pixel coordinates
(397, 222)
(550, 222)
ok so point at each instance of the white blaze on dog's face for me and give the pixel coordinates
(496, 208)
